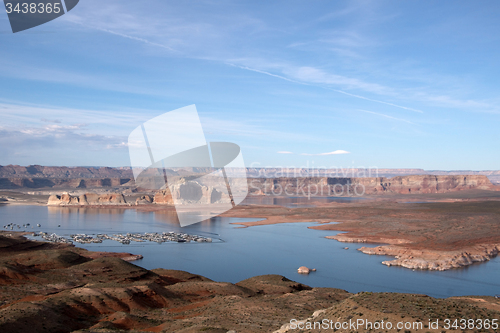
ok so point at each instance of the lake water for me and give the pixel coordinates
(246, 252)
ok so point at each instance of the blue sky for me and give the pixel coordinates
(396, 84)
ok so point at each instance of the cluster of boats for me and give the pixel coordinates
(126, 238)
(156, 237)
(11, 226)
(53, 237)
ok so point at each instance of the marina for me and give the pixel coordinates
(124, 238)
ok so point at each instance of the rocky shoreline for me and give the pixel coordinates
(433, 260)
(423, 259)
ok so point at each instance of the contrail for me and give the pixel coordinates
(336, 90)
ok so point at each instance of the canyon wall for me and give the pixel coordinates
(38, 171)
(191, 191)
(34, 183)
(321, 186)
(261, 180)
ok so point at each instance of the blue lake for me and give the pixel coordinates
(246, 252)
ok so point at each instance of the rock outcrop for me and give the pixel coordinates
(163, 197)
(434, 260)
(191, 192)
(144, 200)
(305, 270)
(87, 199)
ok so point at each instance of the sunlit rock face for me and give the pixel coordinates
(66, 199)
(144, 200)
(163, 197)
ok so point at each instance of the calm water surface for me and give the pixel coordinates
(246, 252)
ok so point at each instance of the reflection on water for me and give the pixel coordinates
(109, 214)
(165, 215)
(246, 252)
(84, 210)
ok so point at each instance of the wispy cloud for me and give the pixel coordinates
(199, 36)
(54, 136)
(143, 40)
(189, 38)
(158, 33)
(327, 80)
(14, 113)
(387, 116)
(284, 152)
(60, 145)
(315, 75)
(336, 152)
(14, 68)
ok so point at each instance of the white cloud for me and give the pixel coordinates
(117, 145)
(336, 152)
(53, 136)
(285, 152)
